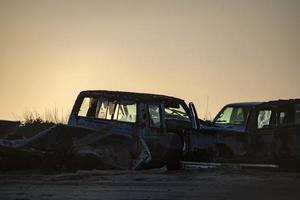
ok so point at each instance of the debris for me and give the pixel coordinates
(204, 165)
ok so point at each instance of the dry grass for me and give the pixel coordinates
(53, 116)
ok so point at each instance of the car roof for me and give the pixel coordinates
(273, 102)
(131, 96)
(245, 104)
(282, 101)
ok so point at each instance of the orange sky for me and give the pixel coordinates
(234, 50)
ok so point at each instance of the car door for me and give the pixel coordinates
(263, 149)
(154, 130)
(287, 134)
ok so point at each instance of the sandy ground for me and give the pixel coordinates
(221, 184)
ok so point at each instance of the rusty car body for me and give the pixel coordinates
(151, 126)
(258, 132)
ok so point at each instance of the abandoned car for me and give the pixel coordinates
(259, 132)
(110, 129)
(125, 130)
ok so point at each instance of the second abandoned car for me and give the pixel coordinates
(266, 132)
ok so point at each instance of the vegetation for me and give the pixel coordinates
(50, 116)
(33, 122)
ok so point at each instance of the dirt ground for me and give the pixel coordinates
(221, 184)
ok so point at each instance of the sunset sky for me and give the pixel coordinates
(226, 50)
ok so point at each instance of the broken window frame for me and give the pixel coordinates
(186, 118)
(122, 104)
(114, 104)
(112, 117)
(272, 122)
(105, 102)
(289, 118)
(244, 109)
(160, 115)
(87, 115)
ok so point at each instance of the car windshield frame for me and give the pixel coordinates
(244, 124)
(180, 115)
